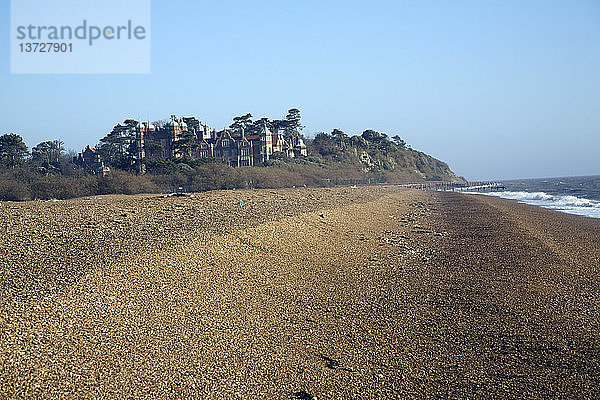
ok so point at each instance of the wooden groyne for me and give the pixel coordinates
(458, 187)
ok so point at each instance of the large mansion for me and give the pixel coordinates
(234, 147)
(178, 139)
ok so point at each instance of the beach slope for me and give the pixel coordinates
(373, 292)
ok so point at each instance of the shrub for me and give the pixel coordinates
(125, 183)
(214, 177)
(11, 190)
(169, 182)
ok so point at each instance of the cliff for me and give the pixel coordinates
(372, 153)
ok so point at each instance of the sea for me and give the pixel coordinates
(572, 195)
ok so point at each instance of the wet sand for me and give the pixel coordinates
(300, 293)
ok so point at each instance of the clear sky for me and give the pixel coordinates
(498, 89)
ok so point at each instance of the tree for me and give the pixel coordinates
(242, 121)
(12, 149)
(399, 142)
(116, 147)
(47, 155)
(160, 124)
(358, 141)
(374, 136)
(256, 127)
(48, 152)
(340, 136)
(326, 145)
(154, 150)
(186, 143)
(278, 125)
(192, 123)
(292, 123)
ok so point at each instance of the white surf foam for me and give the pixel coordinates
(566, 204)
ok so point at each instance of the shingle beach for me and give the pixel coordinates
(339, 293)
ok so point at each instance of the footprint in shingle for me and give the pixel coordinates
(331, 363)
(303, 395)
(335, 364)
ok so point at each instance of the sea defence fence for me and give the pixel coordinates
(458, 187)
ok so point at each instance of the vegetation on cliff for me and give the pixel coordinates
(375, 155)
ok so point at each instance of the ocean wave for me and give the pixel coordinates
(565, 203)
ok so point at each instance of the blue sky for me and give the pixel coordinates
(498, 89)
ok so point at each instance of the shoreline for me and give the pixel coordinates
(372, 292)
(529, 198)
